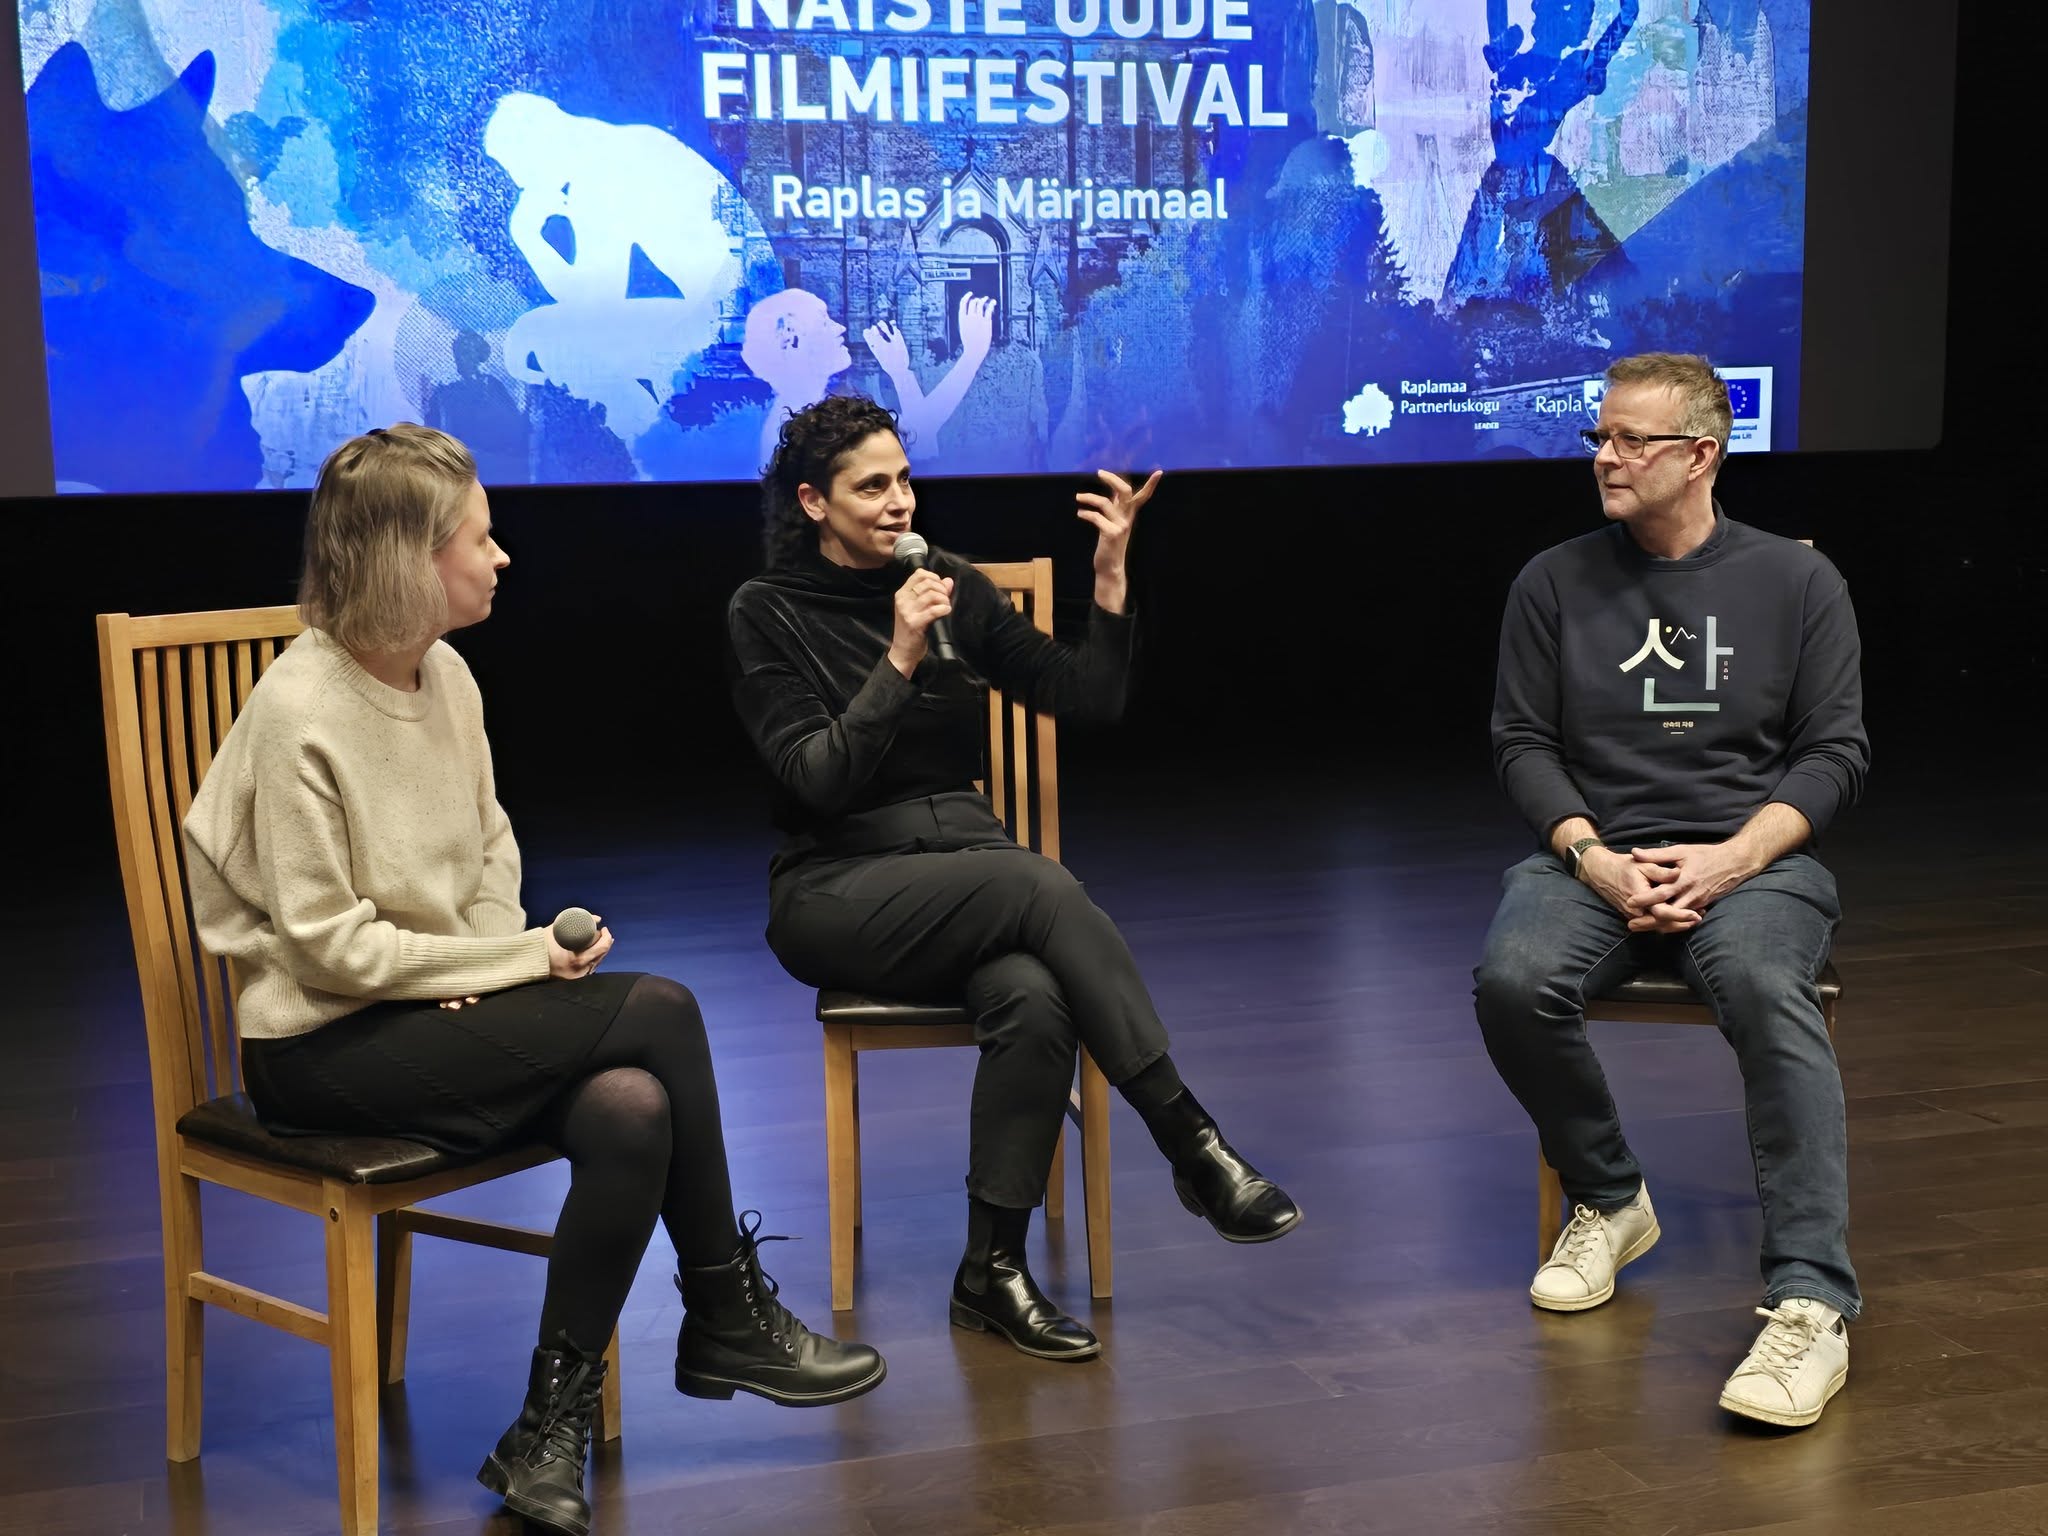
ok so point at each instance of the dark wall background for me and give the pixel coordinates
(25, 456)
(1313, 617)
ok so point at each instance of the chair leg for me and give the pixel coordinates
(1095, 1175)
(394, 1296)
(859, 1204)
(184, 1318)
(1056, 1178)
(1549, 1208)
(609, 1421)
(842, 1160)
(352, 1348)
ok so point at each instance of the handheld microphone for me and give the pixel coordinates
(575, 930)
(912, 550)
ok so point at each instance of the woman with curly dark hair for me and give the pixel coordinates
(895, 876)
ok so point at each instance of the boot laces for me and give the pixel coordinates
(564, 1432)
(1782, 1346)
(783, 1327)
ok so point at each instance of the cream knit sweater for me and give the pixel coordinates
(347, 846)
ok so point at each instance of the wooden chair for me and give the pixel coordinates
(170, 687)
(1653, 997)
(1023, 786)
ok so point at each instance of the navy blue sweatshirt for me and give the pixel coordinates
(1671, 699)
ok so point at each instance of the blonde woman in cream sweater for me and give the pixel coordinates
(348, 851)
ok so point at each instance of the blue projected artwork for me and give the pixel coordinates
(608, 240)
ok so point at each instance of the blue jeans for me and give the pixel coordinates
(1756, 957)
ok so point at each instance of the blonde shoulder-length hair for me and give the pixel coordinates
(384, 504)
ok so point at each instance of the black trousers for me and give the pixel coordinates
(968, 918)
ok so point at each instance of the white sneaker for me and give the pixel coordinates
(1593, 1245)
(1798, 1362)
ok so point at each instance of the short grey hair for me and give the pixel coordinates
(1703, 408)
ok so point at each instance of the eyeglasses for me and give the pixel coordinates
(1630, 445)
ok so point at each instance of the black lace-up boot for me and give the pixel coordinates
(737, 1337)
(537, 1467)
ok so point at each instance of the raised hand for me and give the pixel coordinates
(977, 325)
(1114, 516)
(889, 347)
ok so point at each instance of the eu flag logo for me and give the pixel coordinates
(1743, 396)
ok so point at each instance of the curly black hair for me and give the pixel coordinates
(812, 443)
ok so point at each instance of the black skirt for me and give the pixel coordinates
(466, 1080)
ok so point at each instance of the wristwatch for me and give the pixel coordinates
(1575, 855)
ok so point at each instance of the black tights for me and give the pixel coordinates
(642, 1136)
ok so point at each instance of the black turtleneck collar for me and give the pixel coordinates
(810, 572)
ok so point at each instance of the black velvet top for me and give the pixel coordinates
(845, 734)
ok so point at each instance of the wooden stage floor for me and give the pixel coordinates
(1380, 1370)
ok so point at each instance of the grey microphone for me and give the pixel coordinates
(575, 930)
(912, 551)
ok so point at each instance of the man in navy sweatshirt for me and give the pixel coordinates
(1678, 715)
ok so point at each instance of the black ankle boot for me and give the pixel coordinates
(1213, 1181)
(994, 1291)
(537, 1467)
(737, 1337)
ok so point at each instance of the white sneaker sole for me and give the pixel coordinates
(1636, 1250)
(1786, 1420)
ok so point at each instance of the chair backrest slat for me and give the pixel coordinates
(199, 717)
(171, 687)
(172, 762)
(1020, 767)
(1048, 779)
(996, 783)
(225, 708)
(245, 672)
(1023, 744)
(199, 709)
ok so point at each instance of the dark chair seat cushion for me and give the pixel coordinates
(230, 1123)
(1668, 987)
(836, 1007)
